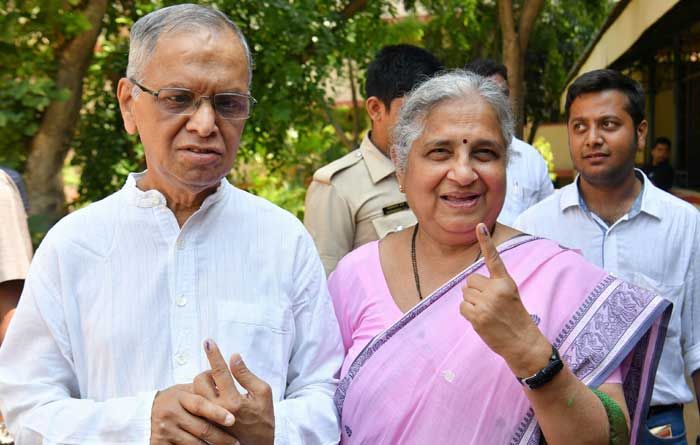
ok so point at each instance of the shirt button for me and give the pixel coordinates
(398, 228)
(180, 244)
(181, 358)
(181, 301)
(359, 154)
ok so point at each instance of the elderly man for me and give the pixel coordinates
(107, 339)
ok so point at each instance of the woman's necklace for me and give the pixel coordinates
(416, 276)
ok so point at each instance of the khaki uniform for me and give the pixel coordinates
(15, 245)
(354, 200)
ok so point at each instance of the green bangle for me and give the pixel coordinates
(619, 433)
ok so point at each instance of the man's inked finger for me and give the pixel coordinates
(219, 370)
(491, 257)
(201, 407)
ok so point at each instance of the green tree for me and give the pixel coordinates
(548, 47)
(46, 47)
(49, 107)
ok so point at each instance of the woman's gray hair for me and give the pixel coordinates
(449, 86)
(172, 19)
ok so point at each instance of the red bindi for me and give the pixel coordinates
(464, 141)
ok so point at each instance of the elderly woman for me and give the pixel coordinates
(460, 330)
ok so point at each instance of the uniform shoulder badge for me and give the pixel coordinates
(325, 173)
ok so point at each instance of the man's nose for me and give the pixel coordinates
(203, 120)
(594, 136)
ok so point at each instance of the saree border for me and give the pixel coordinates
(380, 339)
(636, 306)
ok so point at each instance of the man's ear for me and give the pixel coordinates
(126, 102)
(642, 129)
(375, 108)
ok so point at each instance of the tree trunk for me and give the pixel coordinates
(50, 144)
(515, 43)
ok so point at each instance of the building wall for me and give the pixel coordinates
(664, 115)
(555, 134)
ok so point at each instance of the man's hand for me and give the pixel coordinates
(181, 417)
(493, 307)
(254, 412)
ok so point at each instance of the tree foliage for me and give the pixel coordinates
(297, 45)
(563, 29)
(32, 32)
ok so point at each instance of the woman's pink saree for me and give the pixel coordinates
(430, 379)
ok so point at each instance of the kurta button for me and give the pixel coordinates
(180, 244)
(181, 301)
(181, 358)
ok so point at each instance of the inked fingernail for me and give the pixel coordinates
(207, 345)
(228, 421)
(484, 230)
(238, 361)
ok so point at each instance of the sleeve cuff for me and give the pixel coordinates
(692, 359)
(281, 428)
(148, 398)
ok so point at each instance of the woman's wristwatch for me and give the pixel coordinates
(544, 375)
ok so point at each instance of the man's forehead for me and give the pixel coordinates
(596, 103)
(218, 34)
(197, 48)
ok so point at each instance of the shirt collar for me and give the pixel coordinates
(647, 201)
(379, 165)
(651, 197)
(154, 198)
(516, 147)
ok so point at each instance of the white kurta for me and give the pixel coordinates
(119, 299)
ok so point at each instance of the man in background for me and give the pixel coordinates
(15, 249)
(526, 172)
(624, 224)
(660, 171)
(356, 199)
(15, 254)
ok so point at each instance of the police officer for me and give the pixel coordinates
(356, 199)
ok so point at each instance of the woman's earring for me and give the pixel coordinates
(401, 189)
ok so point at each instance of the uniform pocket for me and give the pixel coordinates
(394, 222)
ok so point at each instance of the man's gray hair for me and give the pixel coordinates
(453, 85)
(172, 19)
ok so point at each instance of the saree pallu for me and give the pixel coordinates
(430, 379)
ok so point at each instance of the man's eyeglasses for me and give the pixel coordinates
(182, 101)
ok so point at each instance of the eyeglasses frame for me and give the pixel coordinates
(199, 99)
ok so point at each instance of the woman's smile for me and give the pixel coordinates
(461, 200)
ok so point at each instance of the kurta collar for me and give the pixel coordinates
(154, 198)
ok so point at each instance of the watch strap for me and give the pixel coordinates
(546, 374)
